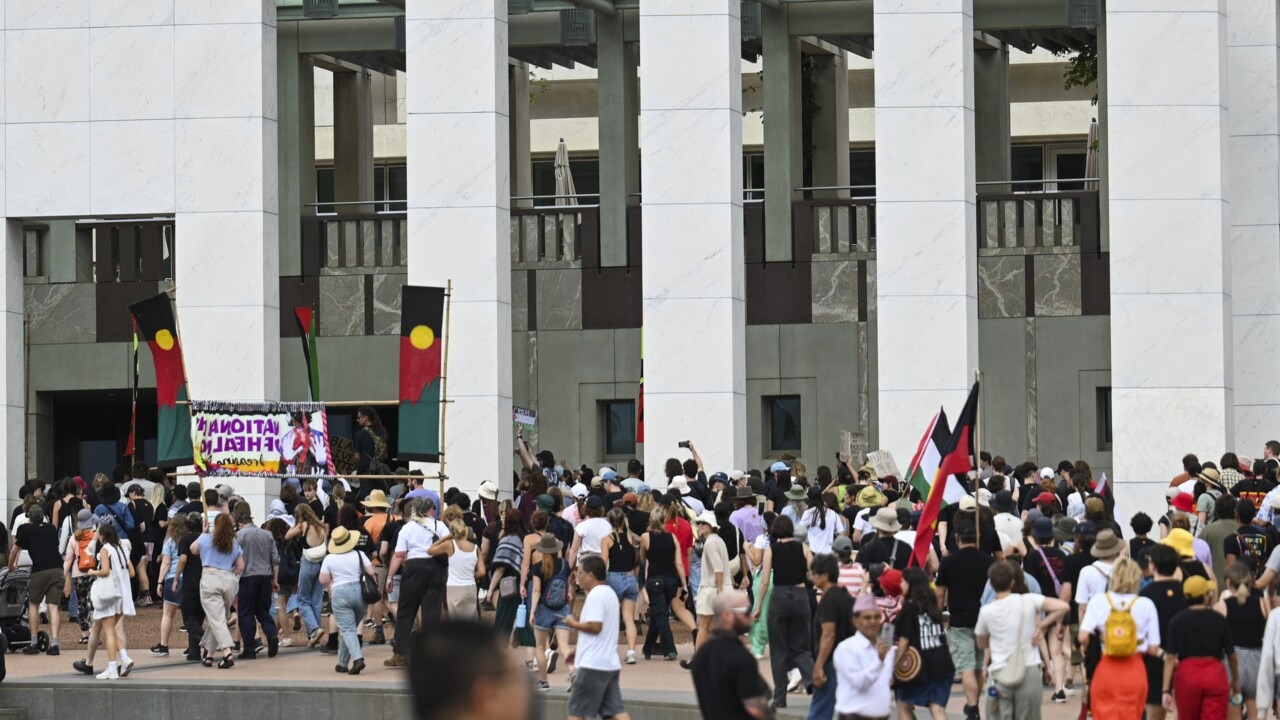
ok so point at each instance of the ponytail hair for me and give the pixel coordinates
(1240, 576)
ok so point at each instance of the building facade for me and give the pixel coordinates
(825, 216)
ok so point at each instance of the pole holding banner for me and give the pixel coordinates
(444, 378)
(977, 464)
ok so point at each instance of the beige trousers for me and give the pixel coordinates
(217, 593)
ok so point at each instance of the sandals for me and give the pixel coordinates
(205, 660)
(84, 640)
(228, 661)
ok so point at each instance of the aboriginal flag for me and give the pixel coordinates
(421, 340)
(158, 329)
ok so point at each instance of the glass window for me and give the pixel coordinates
(753, 175)
(586, 180)
(862, 171)
(324, 190)
(398, 188)
(1104, 418)
(619, 426)
(1027, 163)
(783, 412)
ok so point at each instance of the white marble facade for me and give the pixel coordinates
(927, 266)
(694, 308)
(1253, 150)
(122, 107)
(459, 217)
(1171, 332)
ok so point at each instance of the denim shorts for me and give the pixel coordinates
(624, 585)
(544, 618)
(171, 596)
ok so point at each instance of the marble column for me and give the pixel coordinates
(926, 284)
(831, 124)
(352, 141)
(459, 217)
(1171, 324)
(691, 161)
(13, 420)
(227, 225)
(783, 156)
(1253, 148)
(619, 103)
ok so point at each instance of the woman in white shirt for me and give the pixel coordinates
(588, 534)
(1119, 685)
(340, 573)
(823, 524)
(465, 565)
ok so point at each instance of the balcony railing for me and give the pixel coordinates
(1041, 220)
(131, 250)
(836, 225)
(553, 233)
(356, 243)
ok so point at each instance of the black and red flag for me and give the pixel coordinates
(157, 327)
(421, 342)
(306, 318)
(957, 459)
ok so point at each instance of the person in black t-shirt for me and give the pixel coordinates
(140, 539)
(835, 620)
(885, 548)
(725, 675)
(1165, 592)
(40, 540)
(1250, 544)
(962, 576)
(190, 568)
(920, 626)
(1199, 639)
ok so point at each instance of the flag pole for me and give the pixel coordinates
(186, 379)
(444, 379)
(976, 451)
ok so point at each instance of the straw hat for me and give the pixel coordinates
(376, 499)
(343, 541)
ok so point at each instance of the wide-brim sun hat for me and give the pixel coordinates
(796, 493)
(549, 545)
(343, 541)
(376, 499)
(886, 519)
(870, 497)
(1181, 541)
(1108, 544)
(489, 490)
(708, 518)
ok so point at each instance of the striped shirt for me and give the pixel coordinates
(852, 578)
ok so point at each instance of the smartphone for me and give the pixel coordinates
(683, 444)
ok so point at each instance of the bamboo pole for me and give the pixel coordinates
(976, 451)
(444, 379)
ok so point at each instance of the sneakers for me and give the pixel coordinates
(82, 666)
(287, 642)
(109, 674)
(53, 650)
(396, 660)
(160, 651)
(314, 639)
(971, 712)
(273, 646)
(1059, 697)
(144, 601)
(368, 623)
(686, 665)
(573, 675)
(126, 666)
(631, 657)
(553, 656)
(340, 669)
(379, 638)
(672, 656)
(297, 621)
(31, 649)
(793, 680)
(356, 667)
(542, 686)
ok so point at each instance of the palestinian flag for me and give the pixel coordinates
(307, 327)
(157, 328)
(956, 458)
(928, 455)
(421, 338)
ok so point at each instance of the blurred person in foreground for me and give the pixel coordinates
(461, 671)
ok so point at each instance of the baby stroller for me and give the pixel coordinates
(13, 611)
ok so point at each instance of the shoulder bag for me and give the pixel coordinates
(1015, 670)
(106, 590)
(369, 589)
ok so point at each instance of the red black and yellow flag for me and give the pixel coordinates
(421, 341)
(157, 327)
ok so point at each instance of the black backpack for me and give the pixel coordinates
(290, 552)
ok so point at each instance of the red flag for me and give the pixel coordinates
(957, 458)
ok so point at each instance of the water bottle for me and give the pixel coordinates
(522, 615)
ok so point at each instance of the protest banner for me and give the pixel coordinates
(343, 452)
(260, 439)
(524, 418)
(882, 461)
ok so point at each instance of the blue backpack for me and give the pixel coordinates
(556, 595)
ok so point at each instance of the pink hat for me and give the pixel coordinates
(866, 602)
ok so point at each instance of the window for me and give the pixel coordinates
(1027, 163)
(619, 418)
(753, 175)
(862, 172)
(324, 190)
(783, 413)
(391, 188)
(1104, 418)
(586, 180)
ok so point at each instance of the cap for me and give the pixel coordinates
(719, 478)
(1046, 472)
(546, 502)
(579, 490)
(1084, 529)
(630, 499)
(1184, 502)
(604, 470)
(891, 582)
(737, 475)
(842, 544)
(1042, 529)
(778, 467)
(608, 475)
(594, 502)
(1045, 497)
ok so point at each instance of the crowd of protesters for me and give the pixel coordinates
(1032, 591)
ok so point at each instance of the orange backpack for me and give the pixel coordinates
(85, 559)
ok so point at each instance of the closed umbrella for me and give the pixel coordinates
(566, 195)
(1090, 156)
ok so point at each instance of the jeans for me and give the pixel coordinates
(658, 640)
(348, 607)
(823, 705)
(310, 595)
(422, 587)
(789, 637)
(254, 607)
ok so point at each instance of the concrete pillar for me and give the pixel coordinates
(352, 141)
(13, 419)
(521, 155)
(297, 146)
(993, 151)
(691, 155)
(619, 102)
(831, 123)
(1254, 150)
(228, 268)
(1169, 222)
(783, 115)
(925, 214)
(459, 217)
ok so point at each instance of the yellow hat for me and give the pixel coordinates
(870, 497)
(1195, 587)
(1180, 540)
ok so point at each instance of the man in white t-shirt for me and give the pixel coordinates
(595, 691)
(1010, 624)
